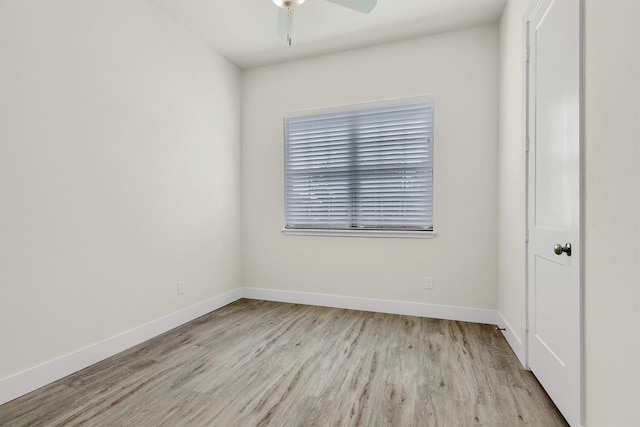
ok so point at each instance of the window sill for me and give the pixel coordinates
(360, 233)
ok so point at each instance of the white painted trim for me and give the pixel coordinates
(526, 21)
(31, 379)
(405, 234)
(512, 338)
(464, 314)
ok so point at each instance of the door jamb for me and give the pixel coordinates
(525, 301)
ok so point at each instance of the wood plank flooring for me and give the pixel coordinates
(258, 363)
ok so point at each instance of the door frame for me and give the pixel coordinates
(530, 10)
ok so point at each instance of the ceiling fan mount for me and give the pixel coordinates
(285, 16)
(288, 4)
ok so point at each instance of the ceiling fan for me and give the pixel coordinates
(285, 15)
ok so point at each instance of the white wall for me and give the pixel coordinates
(460, 70)
(119, 173)
(612, 212)
(511, 167)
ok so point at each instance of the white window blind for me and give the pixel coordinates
(370, 168)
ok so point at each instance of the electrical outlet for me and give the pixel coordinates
(428, 282)
(181, 287)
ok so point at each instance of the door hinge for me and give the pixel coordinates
(526, 236)
(527, 53)
(526, 144)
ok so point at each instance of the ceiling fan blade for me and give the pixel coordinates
(364, 6)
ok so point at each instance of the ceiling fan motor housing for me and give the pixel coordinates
(288, 4)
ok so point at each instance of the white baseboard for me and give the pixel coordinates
(31, 379)
(512, 338)
(465, 314)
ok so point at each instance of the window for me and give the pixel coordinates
(362, 168)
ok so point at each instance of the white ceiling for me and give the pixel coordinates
(245, 31)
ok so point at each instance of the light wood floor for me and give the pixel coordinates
(255, 363)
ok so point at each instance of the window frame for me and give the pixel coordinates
(361, 232)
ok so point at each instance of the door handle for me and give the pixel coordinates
(558, 249)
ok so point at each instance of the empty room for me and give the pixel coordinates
(320, 213)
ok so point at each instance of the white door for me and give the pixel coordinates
(554, 338)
